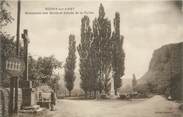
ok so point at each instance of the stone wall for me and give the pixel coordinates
(4, 101)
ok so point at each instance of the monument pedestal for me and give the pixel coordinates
(112, 92)
(28, 95)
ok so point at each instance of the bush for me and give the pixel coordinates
(103, 96)
(123, 96)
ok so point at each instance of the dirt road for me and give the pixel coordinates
(154, 107)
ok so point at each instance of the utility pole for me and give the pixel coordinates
(1, 67)
(181, 70)
(17, 53)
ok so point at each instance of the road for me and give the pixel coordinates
(88, 108)
(154, 107)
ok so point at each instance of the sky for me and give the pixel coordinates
(145, 25)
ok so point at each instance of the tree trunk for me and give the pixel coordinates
(69, 93)
(65, 93)
(90, 93)
(85, 94)
(95, 94)
(100, 91)
(115, 91)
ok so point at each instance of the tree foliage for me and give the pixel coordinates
(102, 45)
(100, 53)
(33, 72)
(118, 54)
(84, 53)
(70, 64)
(41, 71)
(8, 50)
(5, 15)
(54, 83)
(46, 67)
(7, 44)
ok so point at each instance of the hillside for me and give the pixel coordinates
(165, 71)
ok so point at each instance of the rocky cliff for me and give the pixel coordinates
(165, 72)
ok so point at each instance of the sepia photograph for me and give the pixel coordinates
(91, 58)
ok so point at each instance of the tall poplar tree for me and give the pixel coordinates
(118, 54)
(84, 53)
(70, 65)
(102, 45)
(100, 53)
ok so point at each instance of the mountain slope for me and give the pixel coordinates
(164, 75)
